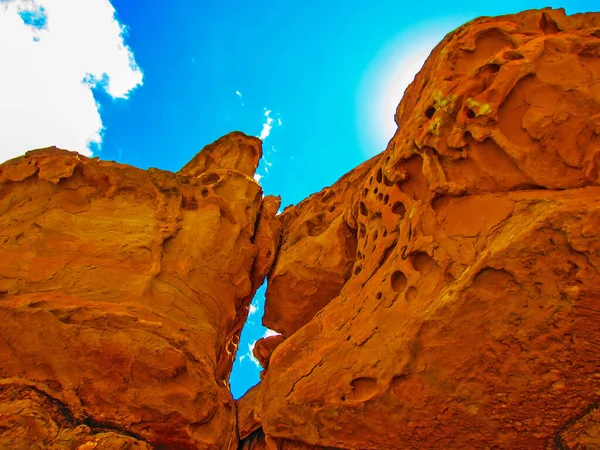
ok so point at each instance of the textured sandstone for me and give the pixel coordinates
(122, 295)
(444, 294)
(264, 348)
(471, 315)
(315, 257)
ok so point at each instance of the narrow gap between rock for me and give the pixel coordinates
(246, 368)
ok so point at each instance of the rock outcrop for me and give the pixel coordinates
(122, 296)
(444, 294)
(469, 314)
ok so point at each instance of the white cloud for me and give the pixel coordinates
(266, 129)
(257, 177)
(253, 309)
(251, 355)
(271, 333)
(52, 53)
(241, 97)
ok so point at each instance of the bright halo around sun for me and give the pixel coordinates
(388, 76)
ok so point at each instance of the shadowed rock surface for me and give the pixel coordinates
(443, 295)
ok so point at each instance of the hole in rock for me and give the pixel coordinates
(399, 209)
(411, 294)
(363, 209)
(387, 181)
(379, 295)
(471, 114)
(513, 55)
(494, 68)
(211, 178)
(423, 263)
(364, 388)
(362, 230)
(398, 281)
(379, 176)
(548, 25)
(430, 112)
(246, 368)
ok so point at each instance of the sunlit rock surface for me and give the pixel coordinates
(470, 315)
(122, 295)
(442, 295)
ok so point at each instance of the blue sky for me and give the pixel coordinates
(327, 74)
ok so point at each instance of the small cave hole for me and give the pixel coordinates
(399, 209)
(379, 176)
(362, 230)
(348, 338)
(398, 281)
(548, 25)
(513, 55)
(375, 191)
(332, 208)
(471, 114)
(363, 209)
(384, 233)
(430, 112)
(386, 199)
(494, 68)
(375, 235)
(387, 181)
(211, 178)
(343, 398)
(379, 295)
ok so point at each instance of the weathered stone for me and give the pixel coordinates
(471, 316)
(123, 293)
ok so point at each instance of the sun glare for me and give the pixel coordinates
(388, 76)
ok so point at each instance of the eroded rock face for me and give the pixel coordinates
(122, 295)
(444, 294)
(316, 255)
(469, 315)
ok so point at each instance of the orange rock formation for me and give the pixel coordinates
(443, 295)
(123, 293)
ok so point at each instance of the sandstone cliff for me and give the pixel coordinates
(122, 296)
(446, 294)
(443, 295)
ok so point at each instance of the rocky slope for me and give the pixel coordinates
(443, 295)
